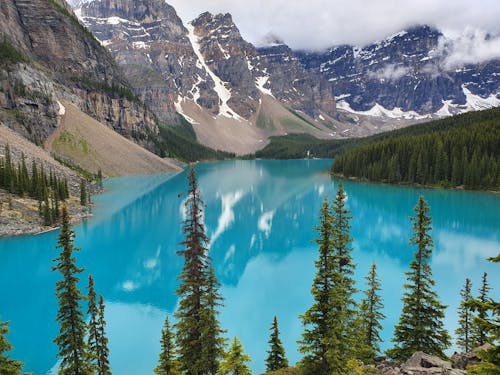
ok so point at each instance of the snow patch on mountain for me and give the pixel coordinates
(260, 82)
(379, 111)
(179, 110)
(476, 102)
(222, 91)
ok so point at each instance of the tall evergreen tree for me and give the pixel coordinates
(371, 314)
(344, 321)
(276, 358)
(420, 326)
(83, 193)
(465, 315)
(235, 360)
(197, 329)
(105, 368)
(480, 335)
(7, 366)
(315, 343)
(72, 328)
(490, 364)
(168, 363)
(211, 334)
(97, 341)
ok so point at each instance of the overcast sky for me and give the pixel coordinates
(317, 24)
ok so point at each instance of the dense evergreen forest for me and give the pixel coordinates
(47, 188)
(340, 335)
(179, 141)
(459, 151)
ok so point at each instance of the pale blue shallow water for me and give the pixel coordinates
(260, 217)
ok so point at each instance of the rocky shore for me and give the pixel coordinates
(20, 216)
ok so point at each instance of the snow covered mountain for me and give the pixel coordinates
(413, 74)
(208, 73)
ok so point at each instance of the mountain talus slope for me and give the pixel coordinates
(48, 57)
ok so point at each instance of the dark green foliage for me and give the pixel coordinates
(490, 324)
(480, 334)
(97, 341)
(235, 361)
(83, 193)
(371, 314)
(465, 315)
(178, 142)
(72, 328)
(315, 344)
(49, 190)
(331, 324)
(460, 151)
(420, 326)
(198, 331)
(296, 146)
(168, 363)
(276, 358)
(10, 55)
(7, 366)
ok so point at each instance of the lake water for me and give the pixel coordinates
(260, 217)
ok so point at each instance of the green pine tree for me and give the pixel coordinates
(371, 314)
(7, 366)
(235, 361)
(480, 335)
(420, 326)
(83, 193)
(211, 334)
(464, 330)
(72, 328)
(490, 324)
(315, 343)
(344, 319)
(97, 341)
(197, 329)
(103, 356)
(168, 364)
(276, 358)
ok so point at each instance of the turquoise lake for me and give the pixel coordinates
(260, 217)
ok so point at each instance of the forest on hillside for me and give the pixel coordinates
(462, 151)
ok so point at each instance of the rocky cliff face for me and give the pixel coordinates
(408, 74)
(206, 62)
(57, 58)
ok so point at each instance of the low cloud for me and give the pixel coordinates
(473, 46)
(319, 24)
(390, 72)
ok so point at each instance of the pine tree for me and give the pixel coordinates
(480, 335)
(371, 314)
(7, 366)
(197, 329)
(83, 193)
(97, 341)
(490, 324)
(168, 363)
(72, 328)
(235, 360)
(420, 326)
(315, 343)
(464, 330)
(276, 358)
(211, 334)
(103, 356)
(344, 320)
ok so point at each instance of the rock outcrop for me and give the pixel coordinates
(206, 62)
(418, 364)
(56, 58)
